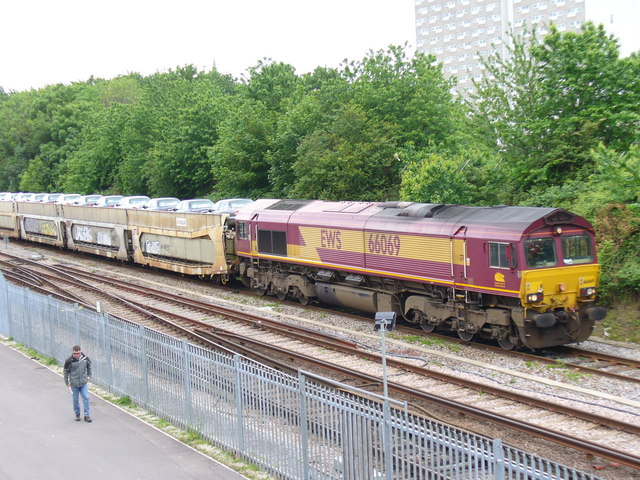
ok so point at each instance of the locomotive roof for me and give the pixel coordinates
(446, 218)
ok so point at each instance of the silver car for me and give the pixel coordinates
(133, 202)
(230, 205)
(108, 201)
(195, 205)
(88, 200)
(68, 198)
(162, 204)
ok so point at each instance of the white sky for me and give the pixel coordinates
(43, 42)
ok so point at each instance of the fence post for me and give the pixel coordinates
(143, 362)
(106, 338)
(239, 409)
(49, 316)
(303, 425)
(5, 327)
(186, 381)
(76, 323)
(29, 321)
(498, 459)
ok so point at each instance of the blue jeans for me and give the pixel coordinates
(84, 392)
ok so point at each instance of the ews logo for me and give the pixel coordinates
(330, 239)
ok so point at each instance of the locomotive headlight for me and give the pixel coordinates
(588, 292)
(535, 297)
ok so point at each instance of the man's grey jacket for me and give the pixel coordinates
(77, 371)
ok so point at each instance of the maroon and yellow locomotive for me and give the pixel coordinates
(524, 276)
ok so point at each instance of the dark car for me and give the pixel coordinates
(230, 205)
(162, 204)
(195, 205)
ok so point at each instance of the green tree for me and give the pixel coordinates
(351, 159)
(550, 103)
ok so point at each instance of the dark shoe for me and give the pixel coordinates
(87, 419)
(77, 417)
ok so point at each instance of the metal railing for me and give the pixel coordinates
(292, 427)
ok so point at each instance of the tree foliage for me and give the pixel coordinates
(555, 123)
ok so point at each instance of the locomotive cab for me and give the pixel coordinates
(559, 282)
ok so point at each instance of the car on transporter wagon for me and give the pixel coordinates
(88, 200)
(134, 202)
(108, 201)
(230, 205)
(194, 205)
(161, 204)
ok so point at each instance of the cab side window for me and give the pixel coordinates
(499, 255)
(242, 230)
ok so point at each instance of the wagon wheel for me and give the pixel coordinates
(303, 299)
(282, 294)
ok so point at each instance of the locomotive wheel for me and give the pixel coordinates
(506, 343)
(423, 320)
(466, 336)
(261, 291)
(510, 340)
(427, 327)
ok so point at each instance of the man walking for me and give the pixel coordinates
(77, 373)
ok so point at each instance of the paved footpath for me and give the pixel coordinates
(39, 438)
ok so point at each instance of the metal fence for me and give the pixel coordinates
(292, 427)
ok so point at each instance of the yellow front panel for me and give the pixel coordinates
(560, 286)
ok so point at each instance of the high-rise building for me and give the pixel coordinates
(459, 32)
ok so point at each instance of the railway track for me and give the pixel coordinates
(248, 344)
